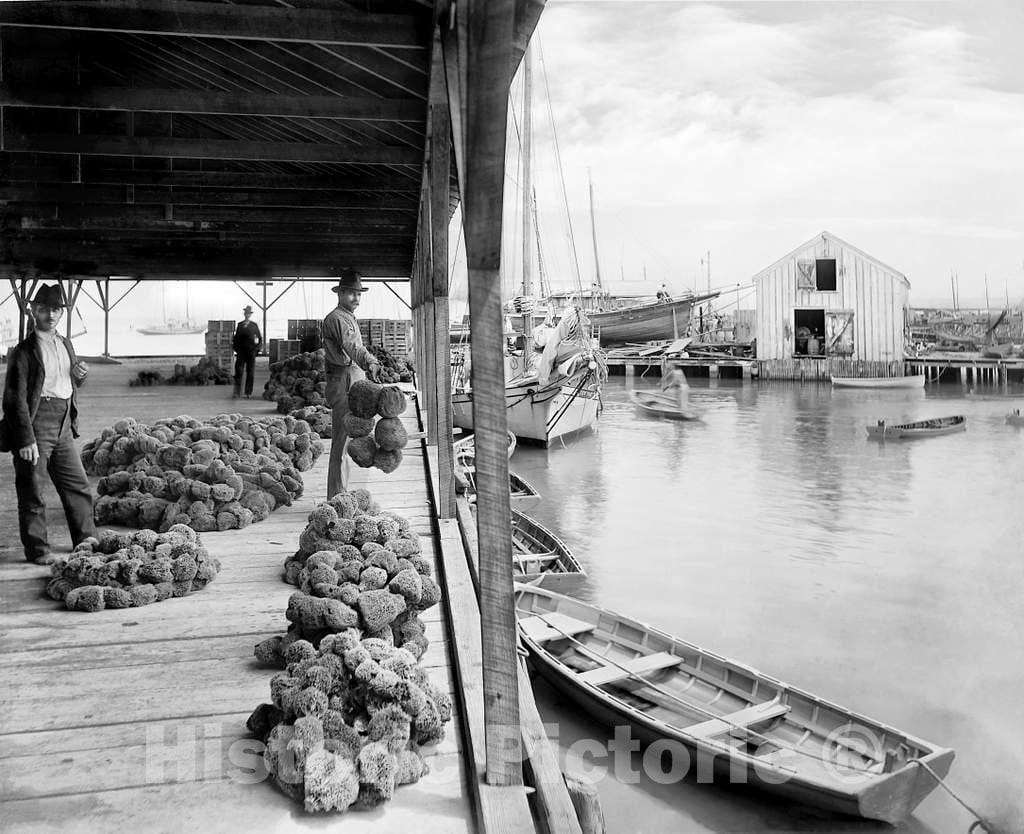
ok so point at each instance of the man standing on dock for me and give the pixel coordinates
(40, 408)
(344, 355)
(246, 343)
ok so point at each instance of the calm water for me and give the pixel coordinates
(885, 577)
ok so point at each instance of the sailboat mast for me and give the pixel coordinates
(527, 189)
(593, 234)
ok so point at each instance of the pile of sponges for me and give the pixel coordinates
(204, 372)
(217, 475)
(377, 436)
(356, 566)
(319, 418)
(353, 707)
(124, 570)
(391, 369)
(297, 381)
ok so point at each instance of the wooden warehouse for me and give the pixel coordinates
(188, 139)
(828, 308)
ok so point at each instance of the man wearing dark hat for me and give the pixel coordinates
(246, 344)
(344, 355)
(40, 422)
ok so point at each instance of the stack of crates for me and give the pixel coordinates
(281, 349)
(394, 335)
(306, 331)
(218, 342)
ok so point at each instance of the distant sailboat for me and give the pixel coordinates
(173, 327)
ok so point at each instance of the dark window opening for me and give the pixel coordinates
(809, 330)
(825, 274)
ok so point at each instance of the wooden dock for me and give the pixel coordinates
(941, 367)
(135, 719)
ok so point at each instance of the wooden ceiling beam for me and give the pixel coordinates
(72, 215)
(212, 149)
(382, 180)
(251, 198)
(217, 20)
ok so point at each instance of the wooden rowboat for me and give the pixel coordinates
(537, 553)
(920, 428)
(1015, 418)
(753, 728)
(878, 381)
(465, 449)
(522, 495)
(654, 404)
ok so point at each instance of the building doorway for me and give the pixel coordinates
(809, 330)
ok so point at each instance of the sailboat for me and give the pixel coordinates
(557, 393)
(172, 327)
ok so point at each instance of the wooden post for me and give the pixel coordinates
(439, 174)
(713, 370)
(963, 375)
(746, 371)
(489, 52)
(103, 290)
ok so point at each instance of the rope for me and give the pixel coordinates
(979, 822)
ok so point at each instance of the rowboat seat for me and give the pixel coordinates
(535, 557)
(553, 626)
(741, 718)
(638, 666)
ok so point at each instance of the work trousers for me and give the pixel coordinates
(59, 458)
(339, 380)
(244, 362)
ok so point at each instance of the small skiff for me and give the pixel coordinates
(537, 553)
(921, 428)
(878, 381)
(1015, 418)
(751, 727)
(522, 495)
(653, 404)
(465, 449)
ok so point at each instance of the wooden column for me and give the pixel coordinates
(489, 72)
(439, 174)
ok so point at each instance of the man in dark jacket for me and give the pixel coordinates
(40, 410)
(246, 344)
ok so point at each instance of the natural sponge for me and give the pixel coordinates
(363, 397)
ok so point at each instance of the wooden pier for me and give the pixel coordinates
(135, 718)
(965, 369)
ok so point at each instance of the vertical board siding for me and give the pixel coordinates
(875, 294)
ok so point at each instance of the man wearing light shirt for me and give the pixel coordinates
(344, 355)
(40, 409)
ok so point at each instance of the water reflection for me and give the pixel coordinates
(883, 576)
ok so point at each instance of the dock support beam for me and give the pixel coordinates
(489, 35)
(713, 371)
(439, 176)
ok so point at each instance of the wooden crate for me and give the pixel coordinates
(216, 326)
(222, 357)
(300, 328)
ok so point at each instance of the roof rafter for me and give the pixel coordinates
(218, 20)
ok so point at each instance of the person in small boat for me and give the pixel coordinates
(674, 385)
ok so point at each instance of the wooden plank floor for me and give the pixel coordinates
(134, 719)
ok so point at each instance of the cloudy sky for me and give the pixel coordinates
(745, 128)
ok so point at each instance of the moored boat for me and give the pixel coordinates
(541, 412)
(916, 381)
(919, 428)
(753, 728)
(1015, 418)
(648, 321)
(654, 404)
(465, 449)
(537, 553)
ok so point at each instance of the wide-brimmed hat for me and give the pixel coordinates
(52, 295)
(247, 308)
(350, 280)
